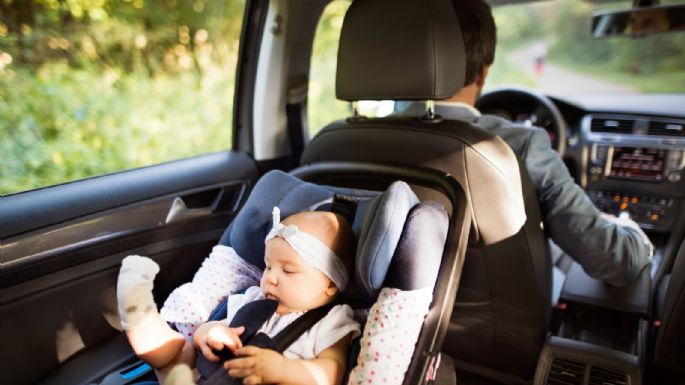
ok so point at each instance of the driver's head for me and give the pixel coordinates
(480, 36)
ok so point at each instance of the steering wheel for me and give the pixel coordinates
(525, 106)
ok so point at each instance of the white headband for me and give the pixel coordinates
(312, 250)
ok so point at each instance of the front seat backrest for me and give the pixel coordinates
(413, 50)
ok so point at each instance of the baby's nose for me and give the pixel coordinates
(271, 278)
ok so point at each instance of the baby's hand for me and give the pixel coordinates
(216, 335)
(256, 366)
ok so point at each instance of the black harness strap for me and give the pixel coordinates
(280, 342)
(292, 332)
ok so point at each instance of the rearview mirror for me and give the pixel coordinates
(639, 21)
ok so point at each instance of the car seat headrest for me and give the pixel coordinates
(378, 223)
(400, 50)
(416, 262)
(249, 228)
(384, 220)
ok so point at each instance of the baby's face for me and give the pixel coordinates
(289, 280)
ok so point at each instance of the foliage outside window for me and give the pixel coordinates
(323, 107)
(573, 62)
(90, 87)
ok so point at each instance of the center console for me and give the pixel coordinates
(632, 173)
(599, 333)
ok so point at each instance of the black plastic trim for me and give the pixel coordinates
(634, 298)
(36, 209)
(588, 355)
(254, 20)
(101, 227)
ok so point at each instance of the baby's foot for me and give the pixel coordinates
(134, 290)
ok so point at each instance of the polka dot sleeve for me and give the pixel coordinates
(222, 273)
(389, 337)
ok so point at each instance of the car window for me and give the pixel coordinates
(94, 87)
(548, 46)
(323, 107)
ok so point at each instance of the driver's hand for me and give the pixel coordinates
(625, 221)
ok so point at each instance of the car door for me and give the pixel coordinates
(61, 242)
(62, 247)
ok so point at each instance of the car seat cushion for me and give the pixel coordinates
(236, 263)
(390, 334)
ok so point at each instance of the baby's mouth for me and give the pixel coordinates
(270, 296)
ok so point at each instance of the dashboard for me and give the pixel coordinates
(626, 151)
(634, 165)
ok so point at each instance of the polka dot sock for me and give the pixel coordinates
(134, 290)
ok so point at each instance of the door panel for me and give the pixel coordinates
(61, 248)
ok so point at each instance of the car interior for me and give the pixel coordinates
(496, 315)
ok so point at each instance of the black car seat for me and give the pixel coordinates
(668, 360)
(413, 50)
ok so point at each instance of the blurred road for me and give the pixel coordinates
(554, 79)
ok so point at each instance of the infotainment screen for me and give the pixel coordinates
(638, 163)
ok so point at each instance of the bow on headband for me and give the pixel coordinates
(309, 248)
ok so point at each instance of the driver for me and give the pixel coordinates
(608, 248)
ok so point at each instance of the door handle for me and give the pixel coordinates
(179, 210)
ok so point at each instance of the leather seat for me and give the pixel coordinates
(413, 50)
(668, 365)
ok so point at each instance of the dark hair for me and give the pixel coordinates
(479, 34)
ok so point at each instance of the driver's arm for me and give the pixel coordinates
(606, 249)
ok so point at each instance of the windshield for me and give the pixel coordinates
(548, 46)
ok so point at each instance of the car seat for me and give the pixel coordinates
(401, 243)
(413, 50)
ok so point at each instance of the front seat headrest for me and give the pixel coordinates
(400, 50)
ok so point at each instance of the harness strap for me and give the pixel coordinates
(292, 332)
(280, 342)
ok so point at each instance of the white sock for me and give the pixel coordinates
(134, 290)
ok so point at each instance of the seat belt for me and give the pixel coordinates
(295, 110)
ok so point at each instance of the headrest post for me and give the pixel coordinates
(430, 109)
(355, 109)
(430, 116)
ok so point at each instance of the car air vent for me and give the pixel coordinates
(599, 376)
(566, 372)
(659, 127)
(620, 126)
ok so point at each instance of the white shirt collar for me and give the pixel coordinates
(469, 107)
